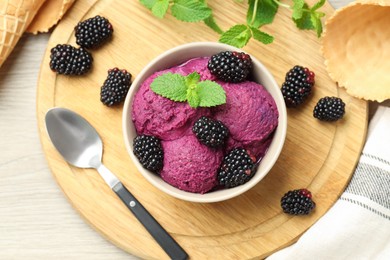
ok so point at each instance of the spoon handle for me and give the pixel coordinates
(170, 246)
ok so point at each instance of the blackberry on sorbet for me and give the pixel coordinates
(237, 168)
(212, 133)
(68, 60)
(230, 66)
(297, 85)
(149, 152)
(93, 32)
(115, 87)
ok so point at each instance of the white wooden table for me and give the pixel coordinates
(36, 220)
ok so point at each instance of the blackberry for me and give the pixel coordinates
(297, 202)
(237, 168)
(230, 66)
(93, 32)
(68, 60)
(149, 152)
(115, 87)
(329, 109)
(297, 85)
(210, 132)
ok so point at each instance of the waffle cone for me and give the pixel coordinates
(49, 15)
(15, 16)
(355, 46)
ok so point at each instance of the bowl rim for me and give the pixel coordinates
(218, 195)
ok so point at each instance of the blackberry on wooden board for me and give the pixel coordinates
(297, 202)
(329, 109)
(297, 85)
(115, 87)
(68, 60)
(93, 32)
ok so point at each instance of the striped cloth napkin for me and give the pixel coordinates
(358, 225)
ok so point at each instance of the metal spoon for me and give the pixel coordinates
(80, 145)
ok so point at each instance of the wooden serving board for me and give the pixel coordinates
(317, 155)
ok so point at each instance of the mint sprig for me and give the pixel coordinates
(259, 13)
(307, 18)
(189, 88)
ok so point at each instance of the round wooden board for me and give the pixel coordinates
(317, 155)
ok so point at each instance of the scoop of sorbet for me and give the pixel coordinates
(251, 115)
(166, 119)
(190, 165)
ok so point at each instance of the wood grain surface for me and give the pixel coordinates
(319, 156)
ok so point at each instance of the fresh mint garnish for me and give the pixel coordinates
(172, 86)
(297, 9)
(307, 18)
(210, 94)
(189, 88)
(237, 35)
(259, 13)
(190, 10)
(158, 7)
(261, 36)
(240, 34)
(210, 22)
(148, 3)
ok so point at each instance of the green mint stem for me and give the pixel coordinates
(281, 4)
(254, 11)
(288, 6)
(306, 10)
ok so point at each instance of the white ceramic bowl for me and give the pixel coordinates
(176, 56)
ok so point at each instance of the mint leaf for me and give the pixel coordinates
(193, 98)
(316, 21)
(305, 21)
(149, 3)
(210, 94)
(297, 9)
(210, 22)
(318, 5)
(160, 8)
(261, 12)
(261, 36)
(238, 36)
(192, 79)
(315, 17)
(169, 85)
(190, 10)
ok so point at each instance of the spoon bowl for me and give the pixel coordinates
(75, 139)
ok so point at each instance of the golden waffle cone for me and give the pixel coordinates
(49, 15)
(356, 48)
(15, 16)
